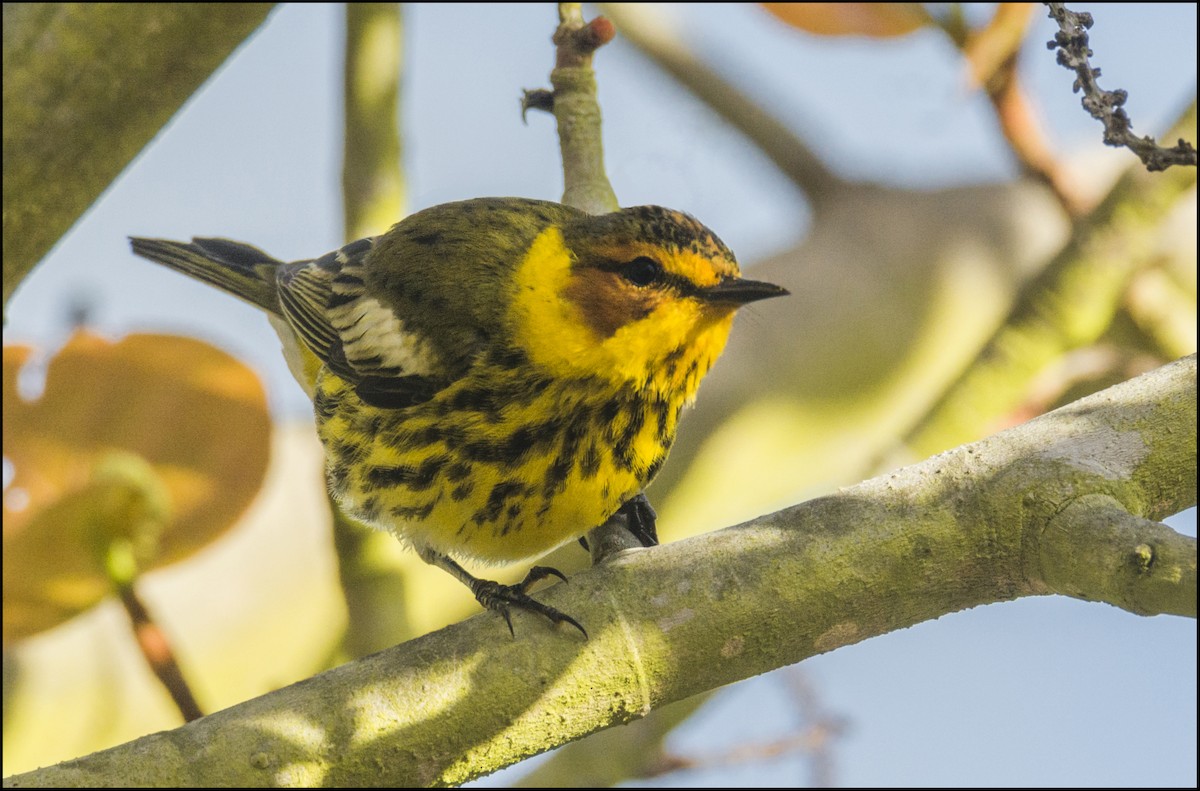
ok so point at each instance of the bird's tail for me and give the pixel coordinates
(240, 269)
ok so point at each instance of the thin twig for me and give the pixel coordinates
(156, 649)
(660, 40)
(1106, 106)
(577, 110)
(992, 53)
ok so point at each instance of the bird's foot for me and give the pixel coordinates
(501, 598)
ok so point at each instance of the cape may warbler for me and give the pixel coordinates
(495, 377)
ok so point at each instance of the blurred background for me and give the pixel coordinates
(905, 207)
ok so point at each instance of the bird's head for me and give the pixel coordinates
(642, 296)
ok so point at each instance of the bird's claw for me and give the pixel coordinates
(498, 597)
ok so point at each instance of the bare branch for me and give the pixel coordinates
(1107, 106)
(1008, 517)
(577, 110)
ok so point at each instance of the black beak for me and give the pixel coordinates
(736, 291)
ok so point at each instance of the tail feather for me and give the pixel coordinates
(237, 268)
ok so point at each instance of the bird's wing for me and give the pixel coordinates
(358, 337)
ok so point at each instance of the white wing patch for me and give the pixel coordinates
(376, 341)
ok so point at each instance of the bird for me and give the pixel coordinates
(492, 378)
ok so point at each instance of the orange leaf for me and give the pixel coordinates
(878, 20)
(195, 416)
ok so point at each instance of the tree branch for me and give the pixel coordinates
(1071, 40)
(993, 52)
(577, 110)
(1068, 305)
(372, 173)
(1096, 550)
(657, 39)
(70, 129)
(1000, 519)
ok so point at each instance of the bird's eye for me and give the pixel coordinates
(642, 271)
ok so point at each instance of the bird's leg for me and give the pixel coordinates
(634, 518)
(641, 519)
(495, 596)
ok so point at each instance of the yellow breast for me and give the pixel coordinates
(503, 465)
